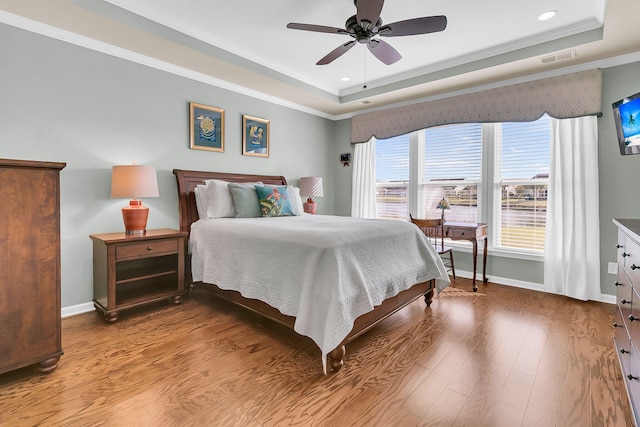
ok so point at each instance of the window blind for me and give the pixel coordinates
(392, 177)
(451, 168)
(522, 172)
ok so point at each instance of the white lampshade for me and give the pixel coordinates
(311, 186)
(133, 181)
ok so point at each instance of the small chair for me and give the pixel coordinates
(434, 230)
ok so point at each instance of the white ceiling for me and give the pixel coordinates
(246, 42)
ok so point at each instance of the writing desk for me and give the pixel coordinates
(471, 232)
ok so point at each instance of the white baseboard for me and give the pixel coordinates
(609, 299)
(72, 310)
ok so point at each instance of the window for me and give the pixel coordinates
(495, 173)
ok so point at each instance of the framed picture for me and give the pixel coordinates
(255, 136)
(206, 127)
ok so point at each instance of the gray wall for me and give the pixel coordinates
(619, 175)
(618, 195)
(60, 102)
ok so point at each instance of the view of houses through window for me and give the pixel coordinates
(495, 173)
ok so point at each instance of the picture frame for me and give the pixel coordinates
(206, 127)
(255, 136)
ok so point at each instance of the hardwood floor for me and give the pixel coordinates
(510, 357)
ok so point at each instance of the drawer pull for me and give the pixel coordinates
(617, 325)
(149, 248)
(624, 301)
(618, 246)
(624, 254)
(623, 351)
(634, 267)
(631, 377)
(618, 284)
(633, 318)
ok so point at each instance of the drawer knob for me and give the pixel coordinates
(617, 325)
(148, 248)
(623, 351)
(633, 318)
(634, 267)
(624, 301)
(618, 246)
(624, 254)
(617, 284)
(631, 377)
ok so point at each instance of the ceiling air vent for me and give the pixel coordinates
(559, 57)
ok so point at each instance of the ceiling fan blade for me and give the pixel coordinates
(316, 28)
(336, 53)
(416, 26)
(384, 52)
(368, 10)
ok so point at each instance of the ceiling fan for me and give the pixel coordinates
(366, 24)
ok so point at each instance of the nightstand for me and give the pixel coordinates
(129, 271)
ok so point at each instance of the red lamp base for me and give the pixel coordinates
(310, 206)
(135, 218)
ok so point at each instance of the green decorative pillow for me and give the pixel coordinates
(274, 201)
(245, 199)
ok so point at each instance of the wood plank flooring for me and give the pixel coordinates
(508, 357)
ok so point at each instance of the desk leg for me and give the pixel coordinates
(475, 263)
(484, 262)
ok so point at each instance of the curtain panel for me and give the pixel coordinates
(567, 96)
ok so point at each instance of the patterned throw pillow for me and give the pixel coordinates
(274, 201)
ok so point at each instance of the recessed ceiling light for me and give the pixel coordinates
(545, 16)
(344, 79)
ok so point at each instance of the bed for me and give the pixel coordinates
(338, 257)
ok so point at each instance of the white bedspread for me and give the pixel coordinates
(324, 270)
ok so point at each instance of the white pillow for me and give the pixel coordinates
(219, 200)
(296, 200)
(201, 200)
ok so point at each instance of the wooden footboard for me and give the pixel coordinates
(361, 325)
(188, 180)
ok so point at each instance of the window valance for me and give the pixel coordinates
(570, 95)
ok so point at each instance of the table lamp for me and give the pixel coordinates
(134, 181)
(443, 204)
(310, 186)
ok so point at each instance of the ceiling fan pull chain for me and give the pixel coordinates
(365, 69)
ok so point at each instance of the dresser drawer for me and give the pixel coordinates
(624, 296)
(632, 377)
(623, 343)
(631, 254)
(146, 249)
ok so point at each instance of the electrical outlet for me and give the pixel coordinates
(612, 268)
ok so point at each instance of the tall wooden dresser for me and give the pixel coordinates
(30, 264)
(627, 323)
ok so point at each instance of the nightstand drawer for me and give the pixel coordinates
(146, 249)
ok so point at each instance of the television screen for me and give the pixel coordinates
(626, 114)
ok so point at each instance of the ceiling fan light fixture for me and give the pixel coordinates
(549, 14)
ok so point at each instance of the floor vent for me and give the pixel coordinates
(559, 57)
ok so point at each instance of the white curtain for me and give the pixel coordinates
(572, 241)
(363, 188)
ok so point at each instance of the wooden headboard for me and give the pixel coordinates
(187, 181)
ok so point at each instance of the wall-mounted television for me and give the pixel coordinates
(626, 114)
